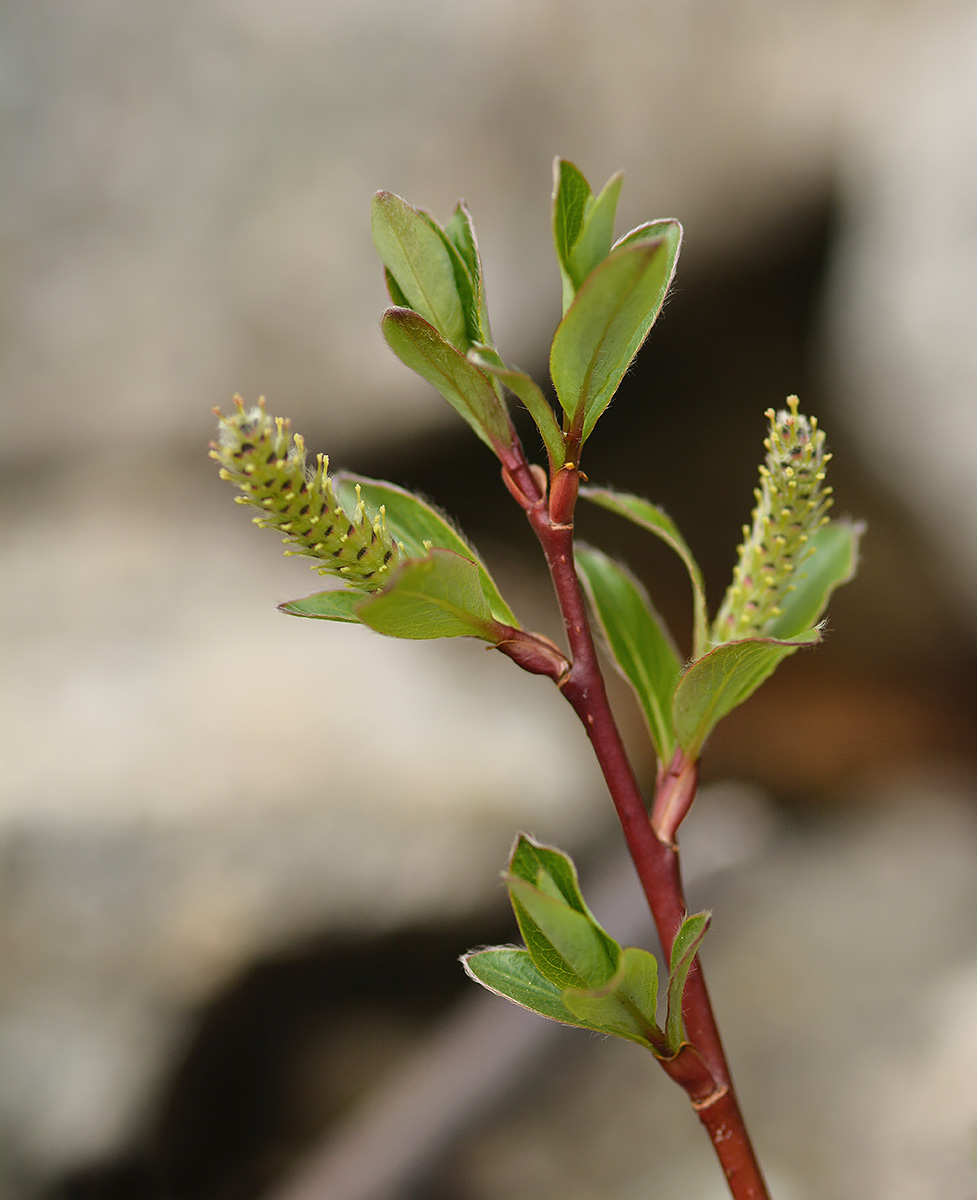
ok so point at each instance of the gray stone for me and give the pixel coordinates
(902, 303)
(192, 779)
(185, 203)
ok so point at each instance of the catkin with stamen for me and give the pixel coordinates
(258, 455)
(792, 504)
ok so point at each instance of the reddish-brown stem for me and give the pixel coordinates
(703, 1070)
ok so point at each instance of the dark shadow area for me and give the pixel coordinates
(278, 1056)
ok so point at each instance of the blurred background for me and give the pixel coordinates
(239, 854)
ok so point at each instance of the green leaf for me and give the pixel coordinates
(393, 290)
(604, 327)
(415, 254)
(593, 243)
(510, 972)
(667, 229)
(549, 869)
(460, 230)
(467, 389)
(571, 971)
(418, 525)
(639, 982)
(464, 283)
(437, 596)
(639, 642)
(650, 517)
(571, 195)
(336, 605)
(526, 389)
(602, 1011)
(610, 1010)
(551, 874)
(569, 948)
(834, 562)
(684, 949)
(722, 679)
(625, 1005)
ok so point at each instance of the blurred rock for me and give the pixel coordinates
(185, 206)
(902, 305)
(191, 779)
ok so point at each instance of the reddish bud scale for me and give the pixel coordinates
(563, 494)
(534, 653)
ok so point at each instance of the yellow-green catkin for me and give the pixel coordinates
(257, 453)
(792, 503)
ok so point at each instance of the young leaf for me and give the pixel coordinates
(571, 196)
(569, 948)
(510, 972)
(551, 875)
(437, 596)
(667, 229)
(641, 646)
(416, 256)
(526, 389)
(553, 872)
(625, 1005)
(650, 517)
(418, 526)
(603, 329)
(549, 869)
(467, 389)
(684, 949)
(336, 605)
(602, 1011)
(397, 297)
(722, 679)
(571, 971)
(638, 986)
(834, 562)
(465, 284)
(611, 1011)
(593, 243)
(461, 232)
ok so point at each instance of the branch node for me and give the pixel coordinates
(711, 1099)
